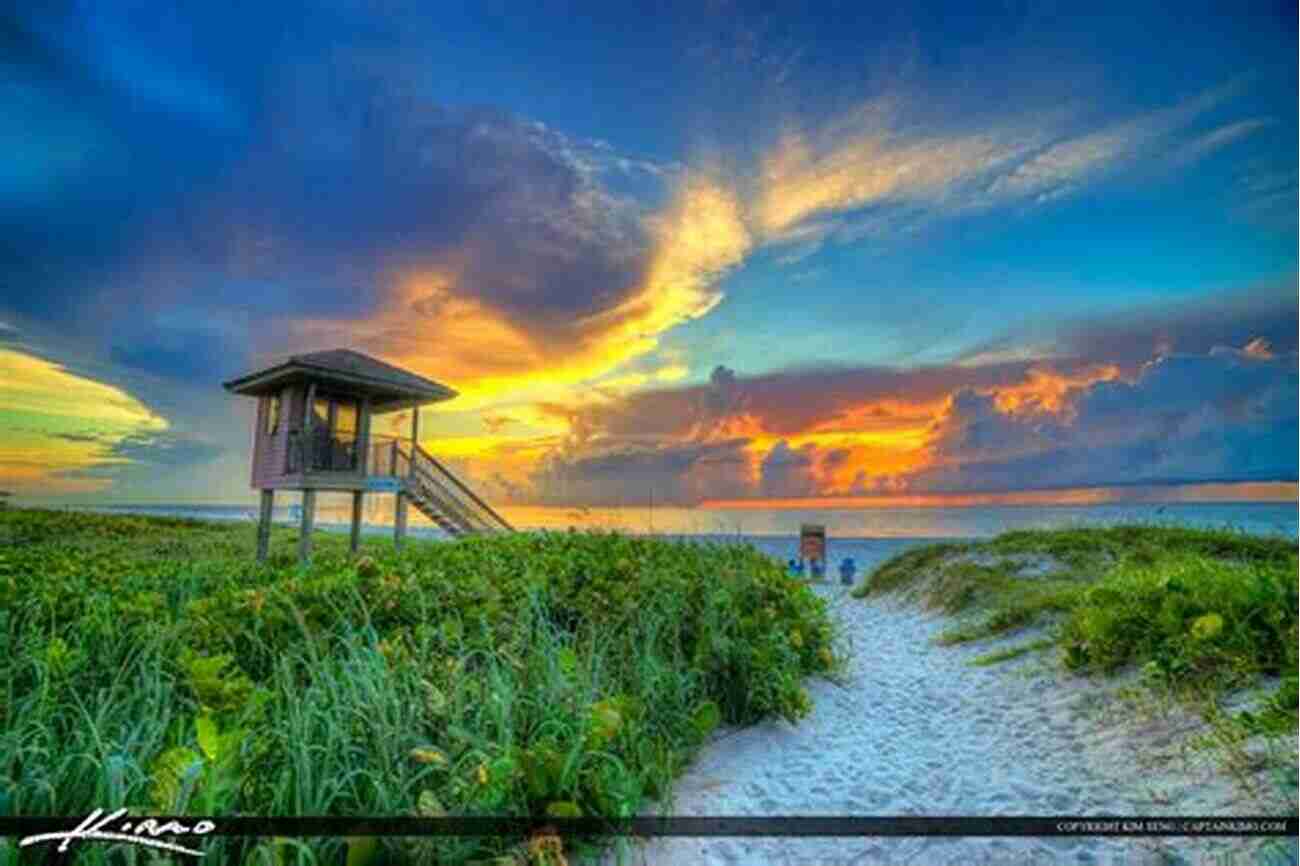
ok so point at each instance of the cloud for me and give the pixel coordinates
(563, 322)
(182, 212)
(1226, 416)
(787, 472)
(827, 431)
(1222, 136)
(1155, 397)
(799, 183)
(1075, 160)
(681, 473)
(870, 174)
(55, 423)
(1234, 318)
(1265, 196)
(322, 196)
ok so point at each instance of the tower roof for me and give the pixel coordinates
(389, 388)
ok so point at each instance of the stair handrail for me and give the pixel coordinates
(437, 473)
(445, 501)
(474, 516)
(418, 483)
(474, 497)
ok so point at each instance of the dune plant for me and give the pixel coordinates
(153, 664)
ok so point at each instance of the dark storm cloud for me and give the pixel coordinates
(1222, 417)
(292, 178)
(677, 473)
(1233, 318)
(795, 401)
(787, 472)
(191, 355)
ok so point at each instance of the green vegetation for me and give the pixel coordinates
(1201, 614)
(152, 664)
(1012, 652)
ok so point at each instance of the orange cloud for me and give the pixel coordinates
(1045, 390)
(847, 440)
(435, 324)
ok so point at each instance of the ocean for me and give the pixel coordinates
(869, 536)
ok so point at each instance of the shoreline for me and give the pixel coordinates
(915, 729)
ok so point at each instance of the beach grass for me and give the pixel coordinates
(1199, 615)
(151, 664)
(1010, 653)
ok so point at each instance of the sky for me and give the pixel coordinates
(713, 252)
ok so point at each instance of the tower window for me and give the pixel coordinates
(273, 415)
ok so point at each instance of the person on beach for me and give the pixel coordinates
(847, 569)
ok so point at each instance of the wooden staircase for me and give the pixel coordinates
(444, 498)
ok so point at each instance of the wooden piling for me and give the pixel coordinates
(356, 520)
(399, 521)
(264, 524)
(308, 522)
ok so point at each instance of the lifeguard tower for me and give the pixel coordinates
(313, 432)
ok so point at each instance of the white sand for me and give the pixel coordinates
(916, 730)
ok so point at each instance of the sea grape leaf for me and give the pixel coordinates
(170, 770)
(362, 850)
(209, 740)
(568, 661)
(563, 809)
(706, 719)
(428, 805)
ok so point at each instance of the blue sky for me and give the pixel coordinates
(789, 226)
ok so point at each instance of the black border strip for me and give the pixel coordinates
(692, 826)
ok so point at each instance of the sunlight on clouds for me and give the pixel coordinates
(32, 385)
(1046, 390)
(869, 447)
(859, 455)
(672, 373)
(798, 183)
(626, 383)
(868, 158)
(700, 238)
(54, 421)
(542, 386)
(434, 325)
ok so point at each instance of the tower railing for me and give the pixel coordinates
(449, 492)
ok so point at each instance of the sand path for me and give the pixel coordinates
(916, 730)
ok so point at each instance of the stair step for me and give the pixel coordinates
(431, 505)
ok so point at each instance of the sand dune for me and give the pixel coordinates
(916, 730)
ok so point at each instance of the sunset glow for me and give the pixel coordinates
(733, 257)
